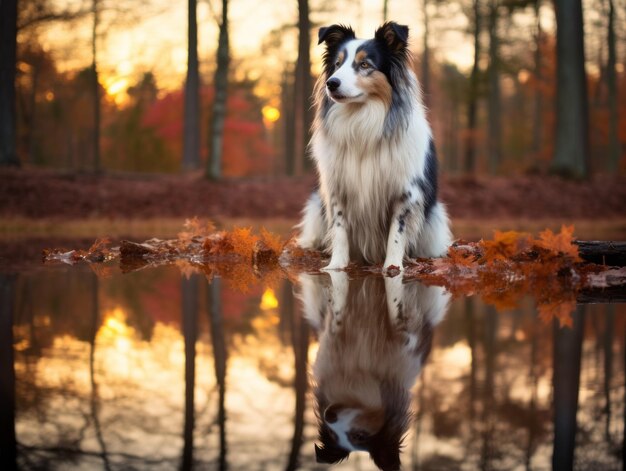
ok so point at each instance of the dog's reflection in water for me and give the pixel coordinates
(374, 336)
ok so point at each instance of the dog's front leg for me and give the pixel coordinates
(340, 245)
(407, 218)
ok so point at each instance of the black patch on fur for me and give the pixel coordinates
(334, 37)
(402, 219)
(393, 38)
(329, 452)
(428, 184)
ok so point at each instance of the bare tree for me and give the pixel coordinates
(493, 102)
(611, 79)
(572, 129)
(95, 88)
(191, 129)
(426, 54)
(220, 83)
(8, 47)
(538, 115)
(472, 105)
(302, 87)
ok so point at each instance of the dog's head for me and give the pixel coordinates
(344, 428)
(356, 70)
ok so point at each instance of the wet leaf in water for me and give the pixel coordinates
(502, 270)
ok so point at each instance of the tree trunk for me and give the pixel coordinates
(538, 115)
(495, 126)
(426, 56)
(95, 89)
(191, 132)
(8, 46)
(472, 106)
(220, 83)
(302, 90)
(611, 79)
(572, 138)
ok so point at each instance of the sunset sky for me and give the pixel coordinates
(158, 42)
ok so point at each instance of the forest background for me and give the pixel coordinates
(209, 102)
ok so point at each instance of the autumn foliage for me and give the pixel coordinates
(501, 270)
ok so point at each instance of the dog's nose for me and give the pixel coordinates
(333, 84)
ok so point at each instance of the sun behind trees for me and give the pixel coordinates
(492, 111)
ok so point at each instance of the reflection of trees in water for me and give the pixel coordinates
(505, 414)
(189, 296)
(7, 373)
(220, 359)
(496, 412)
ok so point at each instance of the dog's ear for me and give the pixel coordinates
(393, 35)
(334, 35)
(387, 459)
(330, 454)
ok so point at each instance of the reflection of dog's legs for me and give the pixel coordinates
(394, 290)
(313, 299)
(338, 297)
(398, 311)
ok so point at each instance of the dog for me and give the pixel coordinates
(377, 196)
(374, 335)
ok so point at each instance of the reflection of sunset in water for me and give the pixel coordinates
(115, 377)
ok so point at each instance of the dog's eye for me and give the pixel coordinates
(364, 65)
(337, 64)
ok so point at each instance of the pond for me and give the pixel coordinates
(165, 368)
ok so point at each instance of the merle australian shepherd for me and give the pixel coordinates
(375, 335)
(377, 196)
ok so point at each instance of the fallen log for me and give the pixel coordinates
(603, 252)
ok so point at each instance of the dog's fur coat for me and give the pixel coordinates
(377, 166)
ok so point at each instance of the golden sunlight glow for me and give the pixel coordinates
(116, 88)
(270, 113)
(268, 300)
(115, 331)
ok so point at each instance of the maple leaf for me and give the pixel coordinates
(561, 310)
(243, 241)
(559, 243)
(273, 241)
(461, 257)
(504, 246)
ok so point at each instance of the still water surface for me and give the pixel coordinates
(156, 370)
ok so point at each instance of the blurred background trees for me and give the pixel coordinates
(100, 85)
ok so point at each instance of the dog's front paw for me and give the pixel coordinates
(339, 260)
(392, 268)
